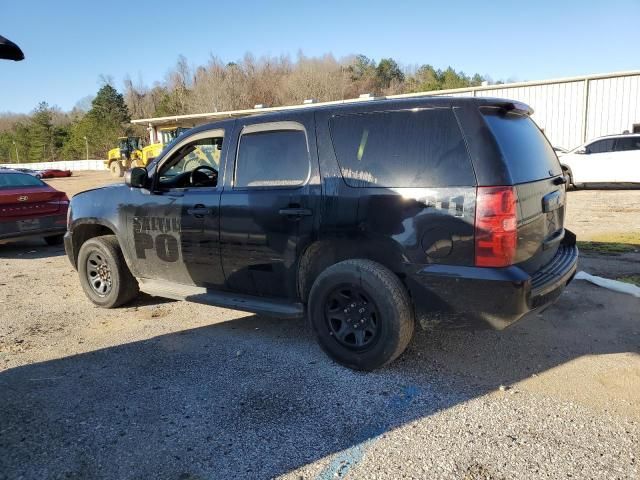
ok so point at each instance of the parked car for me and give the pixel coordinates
(28, 171)
(54, 173)
(605, 160)
(353, 214)
(560, 150)
(30, 208)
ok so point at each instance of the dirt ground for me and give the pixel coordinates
(163, 389)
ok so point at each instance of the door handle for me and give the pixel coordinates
(199, 210)
(295, 212)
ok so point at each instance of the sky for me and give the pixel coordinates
(69, 44)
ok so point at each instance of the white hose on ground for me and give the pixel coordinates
(614, 285)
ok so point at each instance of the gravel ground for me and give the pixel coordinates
(172, 390)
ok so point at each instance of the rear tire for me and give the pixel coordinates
(368, 302)
(104, 275)
(569, 176)
(54, 240)
(118, 169)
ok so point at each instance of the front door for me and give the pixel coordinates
(269, 204)
(176, 225)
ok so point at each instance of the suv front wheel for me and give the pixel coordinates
(361, 314)
(104, 275)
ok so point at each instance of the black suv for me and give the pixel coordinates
(355, 213)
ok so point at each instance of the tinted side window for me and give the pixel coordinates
(422, 148)
(273, 158)
(13, 180)
(628, 143)
(526, 150)
(601, 146)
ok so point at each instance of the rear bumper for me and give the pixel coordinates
(34, 227)
(497, 296)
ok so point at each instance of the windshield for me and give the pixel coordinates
(167, 136)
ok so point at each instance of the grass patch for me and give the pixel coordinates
(607, 248)
(614, 243)
(633, 279)
(632, 238)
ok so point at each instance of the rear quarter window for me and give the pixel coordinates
(409, 148)
(17, 180)
(525, 149)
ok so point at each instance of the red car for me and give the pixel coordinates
(31, 208)
(53, 172)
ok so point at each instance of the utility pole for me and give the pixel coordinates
(86, 145)
(17, 155)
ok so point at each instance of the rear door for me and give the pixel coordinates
(537, 176)
(627, 154)
(599, 163)
(269, 204)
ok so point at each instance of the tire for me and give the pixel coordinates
(117, 170)
(388, 323)
(54, 240)
(567, 173)
(115, 285)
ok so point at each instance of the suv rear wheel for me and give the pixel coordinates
(361, 314)
(104, 275)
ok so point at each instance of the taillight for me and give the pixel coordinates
(496, 226)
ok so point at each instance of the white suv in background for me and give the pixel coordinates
(610, 159)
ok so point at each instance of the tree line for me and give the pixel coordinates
(48, 133)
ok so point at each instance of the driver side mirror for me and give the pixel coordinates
(136, 177)
(582, 151)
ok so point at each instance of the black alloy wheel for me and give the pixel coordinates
(352, 317)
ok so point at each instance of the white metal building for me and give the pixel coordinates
(574, 110)
(569, 110)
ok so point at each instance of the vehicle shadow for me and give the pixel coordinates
(256, 398)
(30, 249)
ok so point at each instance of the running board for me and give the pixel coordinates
(235, 301)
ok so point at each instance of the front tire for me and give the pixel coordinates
(361, 314)
(116, 169)
(104, 275)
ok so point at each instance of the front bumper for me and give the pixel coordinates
(497, 296)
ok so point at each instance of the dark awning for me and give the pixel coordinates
(9, 50)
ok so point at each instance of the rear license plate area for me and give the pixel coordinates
(28, 225)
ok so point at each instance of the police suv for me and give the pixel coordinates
(354, 214)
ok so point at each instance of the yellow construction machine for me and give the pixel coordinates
(127, 154)
(130, 152)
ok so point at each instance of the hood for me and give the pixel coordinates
(113, 186)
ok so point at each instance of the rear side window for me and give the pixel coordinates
(423, 148)
(526, 150)
(601, 146)
(627, 143)
(16, 180)
(272, 159)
